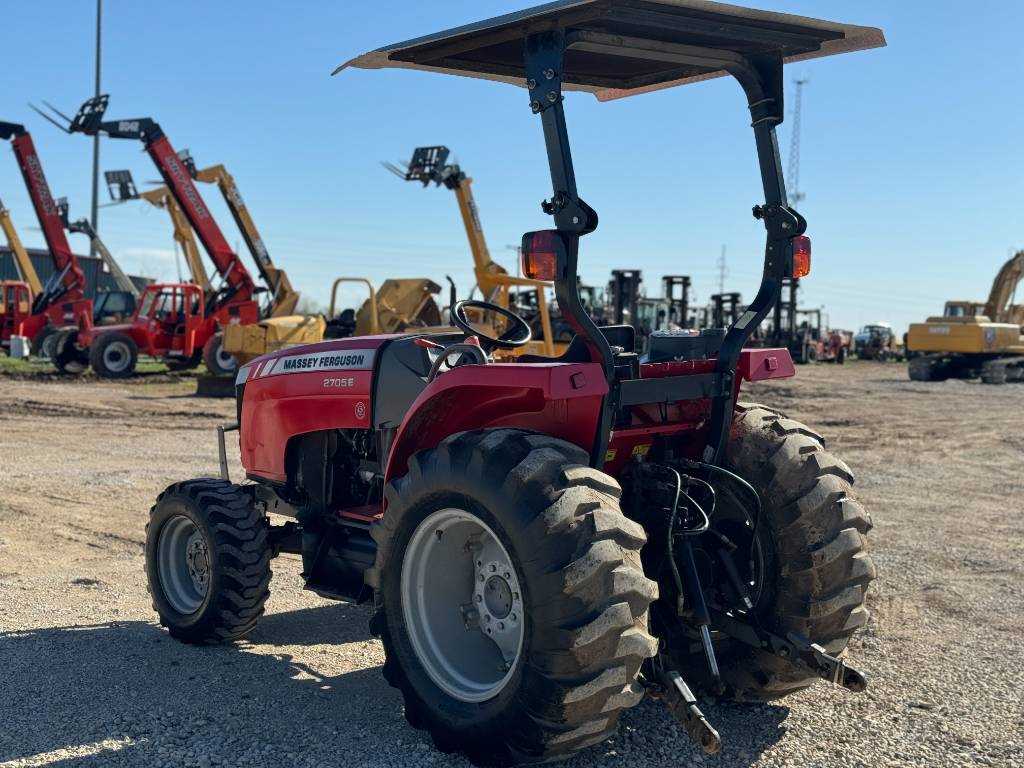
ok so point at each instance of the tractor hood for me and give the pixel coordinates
(618, 48)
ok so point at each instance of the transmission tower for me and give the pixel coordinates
(793, 175)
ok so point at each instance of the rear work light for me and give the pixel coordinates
(801, 256)
(540, 254)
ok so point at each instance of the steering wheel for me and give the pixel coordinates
(517, 335)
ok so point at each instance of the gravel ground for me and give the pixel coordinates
(90, 680)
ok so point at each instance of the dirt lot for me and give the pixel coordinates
(88, 679)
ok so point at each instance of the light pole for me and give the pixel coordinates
(95, 217)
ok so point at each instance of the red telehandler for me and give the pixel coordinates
(61, 303)
(546, 540)
(176, 322)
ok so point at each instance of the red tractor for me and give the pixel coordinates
(174, 322)
(545, 541)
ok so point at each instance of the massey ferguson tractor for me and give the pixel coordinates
(546, 541)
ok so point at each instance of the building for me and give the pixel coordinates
(96, 276)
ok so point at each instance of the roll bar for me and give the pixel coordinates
(760, 76)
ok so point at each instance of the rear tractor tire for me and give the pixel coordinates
(207, 561)
(510, 597)
(113, 355)
(218, 362)
(810, 568)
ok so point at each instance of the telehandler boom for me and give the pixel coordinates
(61, 302)
(174, 321)
(22, 262)
(122, 188)
(283, 297)
(429, 165)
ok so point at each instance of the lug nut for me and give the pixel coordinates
(552, 97)
(531, 83)
(549, 74)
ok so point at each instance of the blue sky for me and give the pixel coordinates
(912, 160)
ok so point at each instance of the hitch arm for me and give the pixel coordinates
(797, 649)
(683, 705)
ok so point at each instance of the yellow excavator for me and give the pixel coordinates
(429, 164)
(974, 339)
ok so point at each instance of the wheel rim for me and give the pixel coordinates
(462, 605)
(225, 361)
(116, 356)
(183, 564)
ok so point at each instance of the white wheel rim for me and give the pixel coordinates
(225, 361)
(183, 564)
(462, 605)
(117, 357)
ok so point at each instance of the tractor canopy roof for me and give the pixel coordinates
(617, 48)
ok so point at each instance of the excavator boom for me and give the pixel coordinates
(998, 307)
(284, 297)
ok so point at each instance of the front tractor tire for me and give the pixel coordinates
(207, 561)
(114, 355)
(811, 560)
(510, 597)
(218, 362)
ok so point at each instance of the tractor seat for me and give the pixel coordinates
(621, 338)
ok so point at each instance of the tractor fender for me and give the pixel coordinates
(562, 400)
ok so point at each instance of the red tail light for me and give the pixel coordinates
(801, 256)
(540, 254)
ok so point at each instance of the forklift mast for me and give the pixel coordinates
(71, 278)
(784, 312)
(22, 261)
(678, 305)
(623, 294)
(122, 188)
(725, 309)
(284, 298)
(84, 227)
(238, 283)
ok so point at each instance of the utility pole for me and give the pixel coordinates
(723, 270)
(793, 174)
(95, 216)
